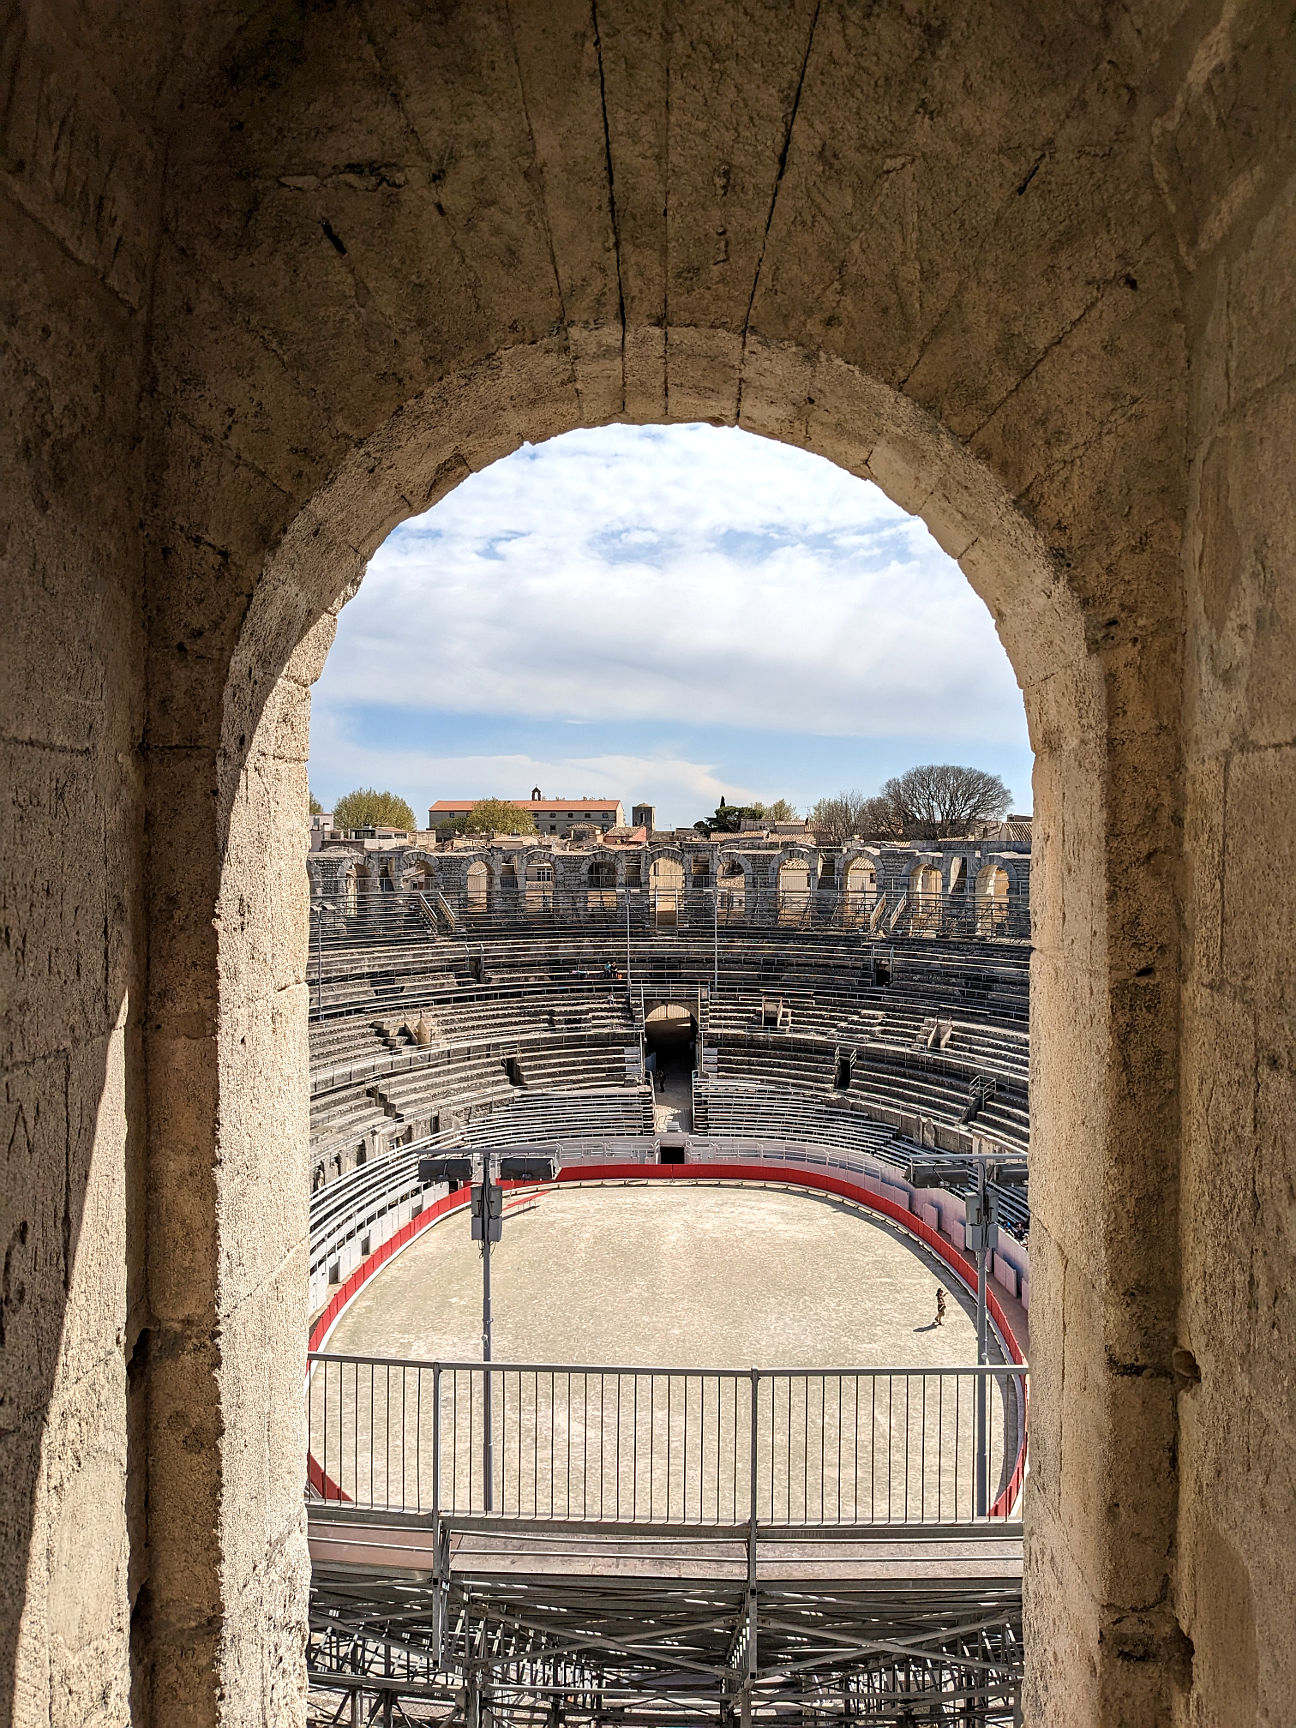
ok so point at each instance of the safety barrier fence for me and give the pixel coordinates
(345, 917)
(822, 1448)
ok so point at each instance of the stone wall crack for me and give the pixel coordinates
(781, 170)
(611, 181)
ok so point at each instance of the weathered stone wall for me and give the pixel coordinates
(1232, 203)
(79, 201)
(278, 278)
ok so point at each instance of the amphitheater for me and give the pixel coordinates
(278, 277)
(716, 1378)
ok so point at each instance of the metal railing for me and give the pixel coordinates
(822, 1448)
(343, 919)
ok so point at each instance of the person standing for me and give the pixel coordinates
(940, 1307)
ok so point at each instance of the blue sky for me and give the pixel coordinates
(665, 614)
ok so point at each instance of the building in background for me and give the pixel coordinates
(552, 815)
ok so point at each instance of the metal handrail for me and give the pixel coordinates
(780, 1447)
(473, 1365)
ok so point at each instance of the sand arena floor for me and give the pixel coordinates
(681, 1291)
(705, 1276)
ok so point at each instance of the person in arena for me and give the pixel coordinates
(940, 1307)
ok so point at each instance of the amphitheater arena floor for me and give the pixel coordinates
(694, 1276)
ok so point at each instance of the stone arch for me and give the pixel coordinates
(806, 398)
(859, 887)
(666, 885)
(357, 885)
(992, 891)
(732, 888)
(795, 885)
(477, 886)
(248, 286)
(925, 895)
(601, 882)
(535, 870)
(419, 871)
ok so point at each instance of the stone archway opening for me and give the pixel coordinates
(992, 898)
(601, 886)
(478, 886)
(860, 890)
(922, 465)
(666, 891)
(670, 1047)
(794, 891)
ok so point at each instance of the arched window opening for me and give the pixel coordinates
(592, 994)
(539, 889)
(665, 884)
(794, 891)
(478, 886)
(992, 887)
(861, 890)
(358, 887)
(924, 898)
(733, 892)
(601, 886)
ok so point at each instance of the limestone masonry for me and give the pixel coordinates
(277, 277)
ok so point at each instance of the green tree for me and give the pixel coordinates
(491, 816)
(728, 818)
(368, 808)
(316, 808)
(780, 811)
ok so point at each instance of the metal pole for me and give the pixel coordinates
(749, 1675)
(715, 964)
(488, 1438)
(982, 1482)
(627, 906)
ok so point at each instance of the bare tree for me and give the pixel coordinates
(940, 799)
(849, 816)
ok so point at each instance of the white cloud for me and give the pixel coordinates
(671, 782)
(685, 573)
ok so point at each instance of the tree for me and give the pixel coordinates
(367, 808)
(941, 799)
(490, 816)
(852, 816)
(780, 811)
(729, 818)
(316, 808)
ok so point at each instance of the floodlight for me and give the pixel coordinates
(933, 1175)
(1015, 1175)
(444, 1169)
(528, 1167)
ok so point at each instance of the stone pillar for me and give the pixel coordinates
(228, 1189)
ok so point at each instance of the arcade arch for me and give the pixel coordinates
(794, 890)
(666, 887)
(733, 891)
(925, 896)
(539, 886)
(860, 890)
(477, 879)
(601, 885)
(992, 888)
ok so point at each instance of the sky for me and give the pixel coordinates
(664, 615)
